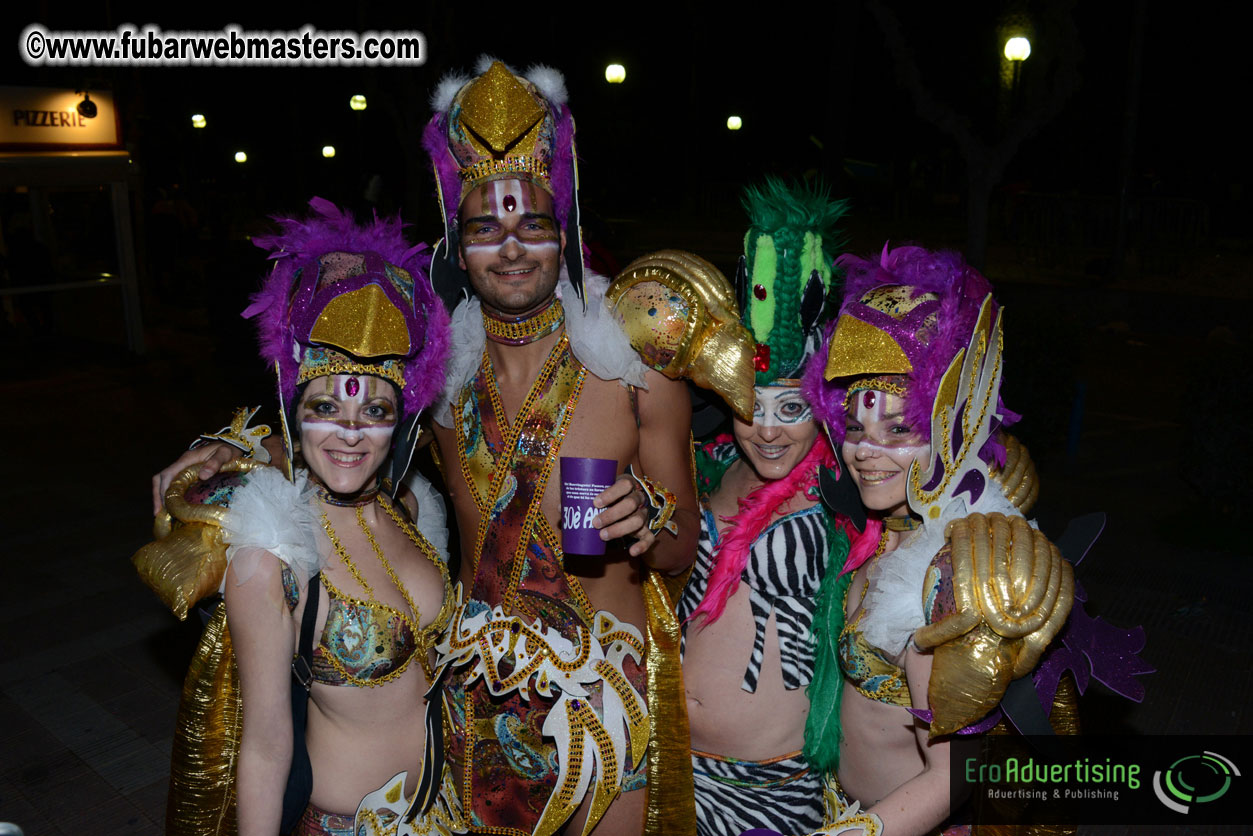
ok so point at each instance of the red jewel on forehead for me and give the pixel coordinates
(352, 387)
(510, 202)
(868, 399)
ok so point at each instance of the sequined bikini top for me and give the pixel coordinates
(362, 644)
(867, 668)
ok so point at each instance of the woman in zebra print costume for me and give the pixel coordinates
(766, 542)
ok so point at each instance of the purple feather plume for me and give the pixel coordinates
(300, 244)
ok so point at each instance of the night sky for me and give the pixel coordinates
(813, 91)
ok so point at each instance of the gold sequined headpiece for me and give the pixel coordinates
(502, 125)
(499, 126)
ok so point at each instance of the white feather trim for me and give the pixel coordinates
(270, 514)
(595, 337)
(894, 595)
(550, 82)
(446, 91)
(464, 355)
(432, 521)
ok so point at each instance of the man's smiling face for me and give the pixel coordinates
(511, 245)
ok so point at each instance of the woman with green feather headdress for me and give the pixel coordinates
(756, 592)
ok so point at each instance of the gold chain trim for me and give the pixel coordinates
(422, 641)
(528, 330)
(338, 365)
(521, 164)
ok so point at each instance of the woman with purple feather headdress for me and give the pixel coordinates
(954, 596)
(320, 555)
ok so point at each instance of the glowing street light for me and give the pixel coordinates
(357, 102)
(615, 73)
(734, 123)
(241, 157)
(197, 120)
(1017, 49)
(328, 151)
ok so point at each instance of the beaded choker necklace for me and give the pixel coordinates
(520, 330)
(357, 500)
(905, 523)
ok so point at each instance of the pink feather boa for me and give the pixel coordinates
(756, 511)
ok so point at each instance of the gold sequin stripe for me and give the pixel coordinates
(372, 601)
(544, 533)
(338, 365)
(536, 510)
(503, 466)
(522, 164)
(428, 637)
(521, 332)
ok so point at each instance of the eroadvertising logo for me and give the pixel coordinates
(1194, 779)
(1012, 779)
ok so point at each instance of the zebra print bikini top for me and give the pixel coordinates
(784, 568)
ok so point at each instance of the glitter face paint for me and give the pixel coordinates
(512, 255)
(879, 449)
(782, 432)
(346, 427)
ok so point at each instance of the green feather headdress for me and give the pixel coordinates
(786, 274)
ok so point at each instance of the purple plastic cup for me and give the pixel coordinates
(582, 480)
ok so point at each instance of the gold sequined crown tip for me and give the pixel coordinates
(498, 108)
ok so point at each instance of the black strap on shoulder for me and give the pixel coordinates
(302, 665)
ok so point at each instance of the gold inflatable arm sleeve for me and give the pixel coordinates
(1018, 479)
(1012, 592)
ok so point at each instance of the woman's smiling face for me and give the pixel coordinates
(782, 432)
(346, 426)
(879, 448)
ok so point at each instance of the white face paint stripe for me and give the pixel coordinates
(876, 416)
(499, 245)
(339, 429)
(772, 400)
(503, 188)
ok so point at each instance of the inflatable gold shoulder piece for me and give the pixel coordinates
(680, 315)
(1012, 592)
(1018, 479)
(187, 560)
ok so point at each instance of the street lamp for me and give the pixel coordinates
(241, 157)
(328, 151)
(357, 102)
(615, 73)
(197, 120)
(734, 123)
(1018, 49)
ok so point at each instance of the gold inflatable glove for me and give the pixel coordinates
(680, 315)
(187, 560)
(1012, 592)
(1018, 478)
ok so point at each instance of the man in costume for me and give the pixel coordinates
(542, 372)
